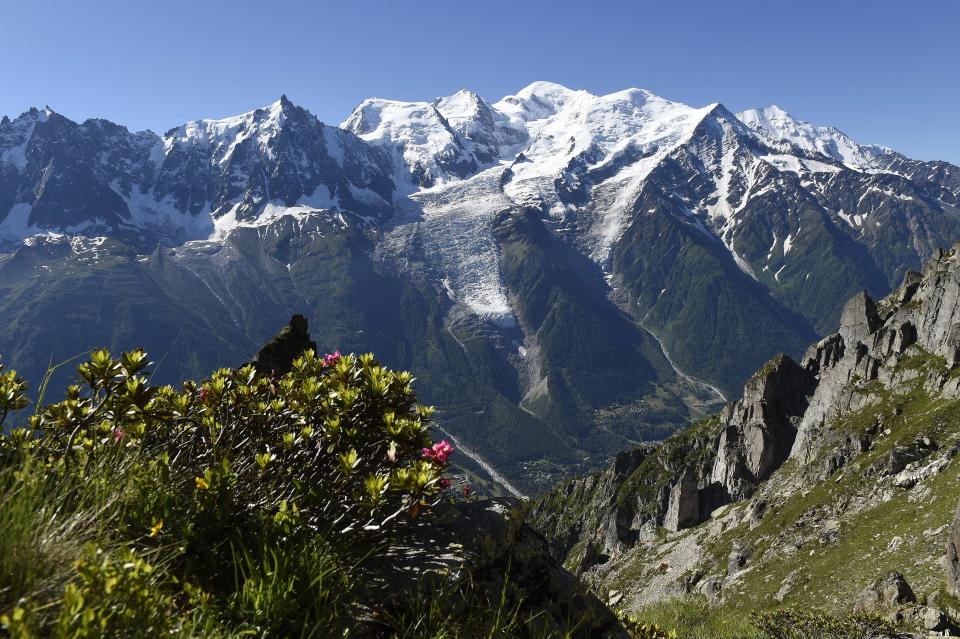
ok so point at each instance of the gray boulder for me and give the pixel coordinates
(935, 619)
(891, 591)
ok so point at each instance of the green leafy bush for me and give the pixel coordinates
(114, 595)
(337, 442)
(12, 393)
(121, 470)
(796, 624)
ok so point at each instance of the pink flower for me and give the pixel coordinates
(444, 483)
(467, 491)
(203, 393)
(331, 358)
(117, 435)
(439, 453)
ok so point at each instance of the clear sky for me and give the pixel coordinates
(885, 72)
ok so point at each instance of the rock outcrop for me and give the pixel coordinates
(952, 558)
(859, 319)
(680, 483)
(276, 357)
(786, 412)
(482, 544)
(893, 590)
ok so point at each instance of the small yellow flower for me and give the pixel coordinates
(155, 529)
(201, 483)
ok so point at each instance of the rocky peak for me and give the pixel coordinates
(859, 319)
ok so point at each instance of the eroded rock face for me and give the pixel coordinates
(760, 428)
(893, 590)
(785, 413)
(683, 509)
(859, 319)
(952, 559)
(723, 462)
(755, 436)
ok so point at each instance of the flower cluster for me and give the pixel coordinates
(439, 453)
(331, 358)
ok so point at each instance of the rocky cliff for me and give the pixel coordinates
(819, 465)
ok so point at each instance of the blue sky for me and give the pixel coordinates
(884, 72)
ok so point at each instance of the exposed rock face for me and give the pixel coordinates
(935, 620)
(718, 461)
(952, 558)
(859, 319)
(683, 508)
(785, 413)
(477, 542)
(750, 439)
(891, 591)
(760, 428)
(276, 357)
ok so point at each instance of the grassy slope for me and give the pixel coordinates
(882, 528)
(906, 533)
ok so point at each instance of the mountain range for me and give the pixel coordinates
(567, 274)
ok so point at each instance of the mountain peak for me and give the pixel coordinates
(35, 114)
(719, 111)
(462, 105)
(777, 124)
(283, 104)
(540, 100)
(770, 119)
(42, 115)
(462, 94)
(417, 134)
(545, 88)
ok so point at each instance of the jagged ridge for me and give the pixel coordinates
(784, 427)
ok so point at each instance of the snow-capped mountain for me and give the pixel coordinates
(568, 273)
(586, 161)
(778, 125)
(197, 180)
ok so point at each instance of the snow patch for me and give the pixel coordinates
(16, 225)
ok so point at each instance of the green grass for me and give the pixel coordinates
(44, 527)
(829, 575)
(692, 618)
(832, 575)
